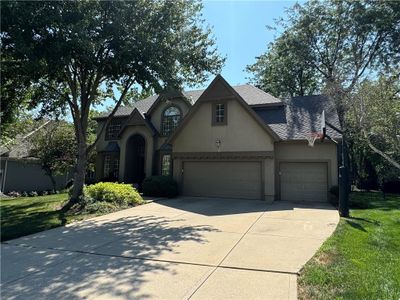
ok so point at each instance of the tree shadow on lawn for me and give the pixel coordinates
(372, 200)
(94, 273)
(356, 223)
(16, 223)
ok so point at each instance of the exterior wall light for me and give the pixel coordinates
(218, 144)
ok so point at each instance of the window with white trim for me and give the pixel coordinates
(220, 113)
(166, 165)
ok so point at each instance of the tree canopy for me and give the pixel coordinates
(374, 126)
(338, 48)
(74, 54)
(282, 70)
(335, 43)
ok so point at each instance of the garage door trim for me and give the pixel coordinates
(278, 176)
(260, 162)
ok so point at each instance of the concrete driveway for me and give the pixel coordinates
(184, 248)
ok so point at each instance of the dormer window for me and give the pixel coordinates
(170, 120)
(219, 113)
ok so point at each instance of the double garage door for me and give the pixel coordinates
(298, 181)
(225, 179)
(306, 182)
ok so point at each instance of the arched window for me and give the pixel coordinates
(170, 120)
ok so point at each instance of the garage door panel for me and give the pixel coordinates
(306, 181)
(222, 179)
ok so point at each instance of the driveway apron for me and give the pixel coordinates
(183, 248)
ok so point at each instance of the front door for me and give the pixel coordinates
(135, 160)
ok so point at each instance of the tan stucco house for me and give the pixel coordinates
(224, 141)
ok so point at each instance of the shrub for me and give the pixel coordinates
(391, 187)
(91, 206)
(117, 194)
(160, 186)
(334, 190)
(24, 194)
(33, 194)
(14, 194)
(43, 193)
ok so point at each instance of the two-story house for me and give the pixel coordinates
(224, 141)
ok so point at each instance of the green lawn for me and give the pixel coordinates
(26, 215)
(361, 260)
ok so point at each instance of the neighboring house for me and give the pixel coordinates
(22, 173)
(225, 141)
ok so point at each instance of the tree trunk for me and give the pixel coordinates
(79, 176)
(53, 181)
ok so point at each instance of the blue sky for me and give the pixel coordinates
(241, 34)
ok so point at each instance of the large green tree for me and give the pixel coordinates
(337, 44)
(374, 124)
(283, 71)
(76, 52)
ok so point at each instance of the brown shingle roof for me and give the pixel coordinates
(250, 94)
(300, 116)
(290, 119)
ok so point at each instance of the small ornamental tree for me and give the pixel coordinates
(74, 54)
(54, 145)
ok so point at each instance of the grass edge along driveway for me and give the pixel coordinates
(361, 259)
(27, 215)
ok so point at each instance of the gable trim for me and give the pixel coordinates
(162, 97)
(145, 123)
(235, 96)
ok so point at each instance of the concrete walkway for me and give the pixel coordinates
(184, 248)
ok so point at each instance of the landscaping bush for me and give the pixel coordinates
(334, 190)
(160, 186)
(14, 194)
(392, 187)
(33, 194)
(92, 206)
(117, 194)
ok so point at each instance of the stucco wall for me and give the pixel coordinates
(102, 143)
(242, 132)
(301, 152)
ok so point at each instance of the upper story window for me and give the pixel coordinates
(219, 116)
(113, 130)
(170, 120)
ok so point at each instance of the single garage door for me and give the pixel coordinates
(306, 182)
(222, 179)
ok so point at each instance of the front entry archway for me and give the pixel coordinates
(135, 159)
